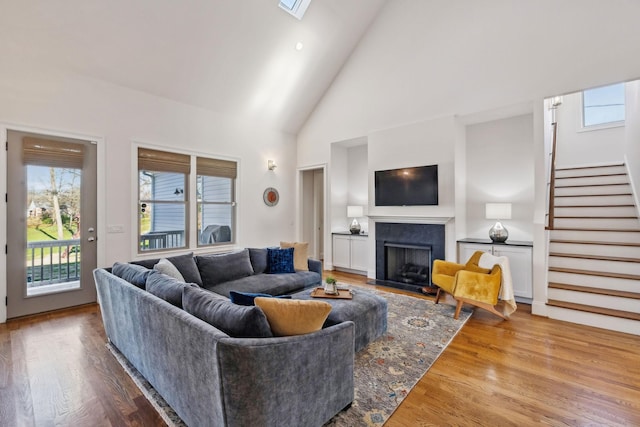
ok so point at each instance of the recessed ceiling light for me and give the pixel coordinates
(299, 46)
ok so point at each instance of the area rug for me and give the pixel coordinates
(385, 371)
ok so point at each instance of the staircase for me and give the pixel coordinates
(594, 249)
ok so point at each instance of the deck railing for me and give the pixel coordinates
(162, 240)
(52, 261)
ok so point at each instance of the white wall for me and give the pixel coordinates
(500, 170)
(579, 147)
(358, 182)
(632, 136)
(43, 98)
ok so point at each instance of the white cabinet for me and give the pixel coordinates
(350, 252)
(520, 256)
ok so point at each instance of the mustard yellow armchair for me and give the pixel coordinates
(468, 283)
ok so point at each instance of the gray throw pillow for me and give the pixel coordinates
(186, 265)
(165, 266)
(216, 269)
(134, 274)
(234, 320)
(258, 258)
(166, 287)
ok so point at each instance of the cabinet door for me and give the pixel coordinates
(465, 250)
(359, 258)
(520, 262)
(341, 251)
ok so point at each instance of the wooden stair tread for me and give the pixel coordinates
(598, 206)
(590, 185)
(596, 217)
(596, 310)
(614, 165)
(595, 273)
(588, 242)
(591, 290)
(590, 176)
(592, 195)
(595, 257)
(614, 230)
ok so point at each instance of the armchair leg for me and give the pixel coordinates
(458, 308)
(488, 307)
(438, 296)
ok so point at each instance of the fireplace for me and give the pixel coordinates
(405, 253)
(408, 264)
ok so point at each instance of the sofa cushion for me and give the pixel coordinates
(300, 254)
(134, 274)
(186, 265)
(165, 266)
(234, 320)
(280, 261)
(272, 284)
(258, 257)
(166, 287)
(246, 298)
(293, 317)
(216, 269)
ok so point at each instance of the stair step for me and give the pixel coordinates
(585, 242)
(592, 309)
(597, 223)
(612, 236)
(599, 291)
(595, 273)
(590, 190)
(593, 200)
(591, 170)
(630, 250)
(568, 181)
(590, 211)
(603, 266)
(611, 283)
(595, 257)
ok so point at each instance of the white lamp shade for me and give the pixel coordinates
(355, 211)
(498, 211)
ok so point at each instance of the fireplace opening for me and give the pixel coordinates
(408, 264)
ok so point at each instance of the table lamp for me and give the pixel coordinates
(355, 212)
(498, 211)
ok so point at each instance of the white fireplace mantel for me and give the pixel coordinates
(411, 219)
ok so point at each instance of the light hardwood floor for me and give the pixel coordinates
(56, 370)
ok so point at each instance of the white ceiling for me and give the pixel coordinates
(235, 57)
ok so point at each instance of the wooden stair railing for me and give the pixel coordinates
(552, 180)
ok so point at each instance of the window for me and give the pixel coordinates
(296, 8)
(163, 199)
(603, 106)
(164, 203)
(216, 200)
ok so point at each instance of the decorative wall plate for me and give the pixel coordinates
(271, 196)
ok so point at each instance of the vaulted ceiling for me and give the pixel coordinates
(235, 57)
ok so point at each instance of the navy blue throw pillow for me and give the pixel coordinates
(246, 298)
(280, 260)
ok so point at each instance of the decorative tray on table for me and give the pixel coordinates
(342, 294)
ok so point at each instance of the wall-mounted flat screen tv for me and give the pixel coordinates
(416, 186)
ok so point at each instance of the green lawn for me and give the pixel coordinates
(46, 232)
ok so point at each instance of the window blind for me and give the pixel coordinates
(47, 152)
(216, 167)
(163, 161)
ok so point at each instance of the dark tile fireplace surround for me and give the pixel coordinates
(405, 253)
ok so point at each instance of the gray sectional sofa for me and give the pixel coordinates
(211, 378)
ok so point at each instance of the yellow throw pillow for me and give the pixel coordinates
(300, 254)
(293, 317)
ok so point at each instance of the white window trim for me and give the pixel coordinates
(299, 8)
(193, 215)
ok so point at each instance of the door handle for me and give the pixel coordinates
(91, 239)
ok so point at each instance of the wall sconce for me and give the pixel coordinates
(178, 191)
(498, 211)
(271, 164)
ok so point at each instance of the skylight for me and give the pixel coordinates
(295, 7)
